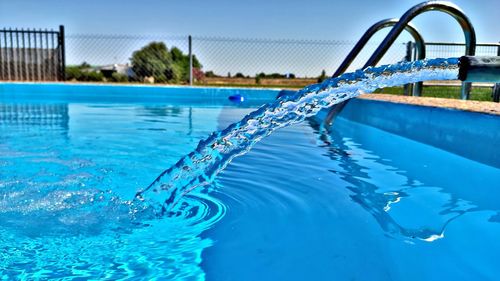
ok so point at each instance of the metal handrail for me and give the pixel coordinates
(402, 24)
(442, 6)
(419, 46)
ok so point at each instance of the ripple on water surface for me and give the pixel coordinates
(87, 233)
(65, 179)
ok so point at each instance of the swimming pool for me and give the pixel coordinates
(363, 202)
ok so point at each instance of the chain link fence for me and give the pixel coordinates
(220, 61)
(217, 60)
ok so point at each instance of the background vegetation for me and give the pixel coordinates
(155, 60)
(156, 63)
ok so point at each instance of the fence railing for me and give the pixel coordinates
(43, 55)
(32, 55)
(216, 60)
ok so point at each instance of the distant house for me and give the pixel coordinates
(108, 70)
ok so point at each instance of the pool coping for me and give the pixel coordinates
(485, 107)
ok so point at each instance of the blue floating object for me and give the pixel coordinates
(237, 98)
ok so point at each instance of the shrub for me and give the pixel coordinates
(73, 73)
(210, 74)
(119, 77)
(198, 74)
(83, 72)
(78, 74)
(93, 76)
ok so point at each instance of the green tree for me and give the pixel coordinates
(155, 60)
(322, 77)
(210, 73)
(181, 63)
(258, 79)
(93, 76)
(84, 65)
(73, 73)
(119, 77)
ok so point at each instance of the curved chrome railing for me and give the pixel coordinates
(402, 24)
(419, 45)
(441, 6)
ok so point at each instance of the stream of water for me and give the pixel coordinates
(213, 154)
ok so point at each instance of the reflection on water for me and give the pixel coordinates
(356, 207)
(172, 111)
(34, 115)
(401, 201)
(26, 116)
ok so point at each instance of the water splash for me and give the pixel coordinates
(213, 154)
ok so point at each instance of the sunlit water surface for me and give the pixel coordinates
(299, 206)
(66, 173)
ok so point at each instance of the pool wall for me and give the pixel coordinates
(77, 93)
(469, 134)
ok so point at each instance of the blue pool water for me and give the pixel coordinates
(301, 205)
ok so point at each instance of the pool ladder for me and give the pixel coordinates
(398, 25)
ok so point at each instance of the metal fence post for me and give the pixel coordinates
(190, 61)
(496, 87)
(19, 66)
(408, 88)
(12, 65)
(62, 54)
(465, 90)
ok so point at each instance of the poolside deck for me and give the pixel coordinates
(474, 106)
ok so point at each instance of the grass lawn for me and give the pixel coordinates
(249, 86)
(449, 92)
